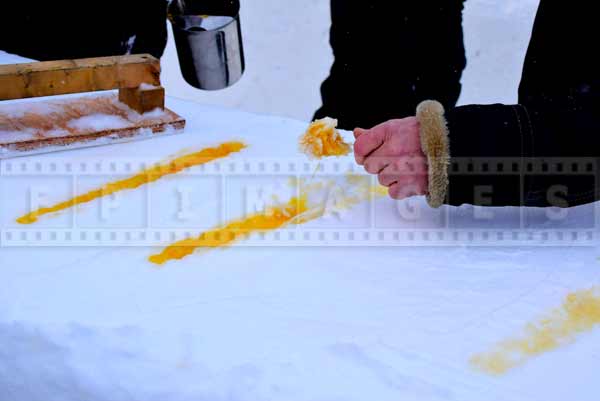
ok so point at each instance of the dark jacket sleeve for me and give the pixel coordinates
(543, 151)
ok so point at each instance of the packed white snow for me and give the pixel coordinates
(99, 122)
(282, 322)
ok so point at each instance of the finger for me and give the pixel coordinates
(403, 189)
(380, 158)
(402, 166)
(358, 132)
(368, 142)
(413, 164)
(375, 165)
(387, 180)
(402, 180)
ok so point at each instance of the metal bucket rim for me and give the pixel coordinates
(235, 20)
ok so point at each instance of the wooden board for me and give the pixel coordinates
(41, 126)
(20, 81)
(143, 100)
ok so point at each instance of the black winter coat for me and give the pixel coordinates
(545, 150)
(553, 134)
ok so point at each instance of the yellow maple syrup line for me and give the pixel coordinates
(270, 219)
(295, 211)
(144, 177)
(579, 313)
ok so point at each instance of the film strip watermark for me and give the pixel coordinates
(202, 197)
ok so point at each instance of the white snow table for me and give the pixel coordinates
(385, 301)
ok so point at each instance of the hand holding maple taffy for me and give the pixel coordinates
(392, 150)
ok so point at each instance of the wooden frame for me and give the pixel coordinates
(136, 76)
(51, 125)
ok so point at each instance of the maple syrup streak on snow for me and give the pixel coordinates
(579, 313)
(144, 177)
(298, 210)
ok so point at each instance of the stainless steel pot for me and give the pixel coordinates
(209, 47)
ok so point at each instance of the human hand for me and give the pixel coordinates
(392, 150)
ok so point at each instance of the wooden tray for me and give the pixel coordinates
(42, 126)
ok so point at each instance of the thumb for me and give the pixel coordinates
(358, 132)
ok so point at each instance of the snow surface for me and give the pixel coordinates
(253, 323)
(280, 323)
(98, 122)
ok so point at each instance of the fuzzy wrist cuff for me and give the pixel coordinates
(435, 146)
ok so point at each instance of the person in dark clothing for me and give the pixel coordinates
(56, 30)
(69, 29)
(392, 58)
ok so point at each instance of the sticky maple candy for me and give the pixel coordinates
(322, 139)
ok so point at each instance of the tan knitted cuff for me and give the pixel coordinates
(434, 143)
